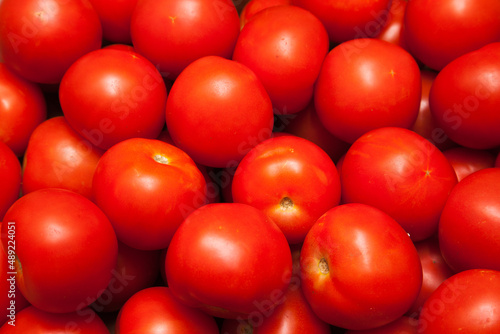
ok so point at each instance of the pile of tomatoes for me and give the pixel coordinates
(262, 166)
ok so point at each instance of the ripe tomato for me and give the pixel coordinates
(172, 34)
(403, 325)
(10, 178)
(467, 302)
(469, 228)
(439, 32)
(227, 105)
(401, 173)
(22, 108)
(272, 45)
(156, 310)
(147, 180)
(291, 180)
(229, 260)
(110, 95)
(466, 161)
(392, 31)
(348, 95)
(465, 98)
(115, 16)
(41, 39)
(58, 157)
(252, 7)
(359, 268)
(65, 249)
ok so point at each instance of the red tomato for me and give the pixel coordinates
(437, 32)
(156, 310)
(346, 21)
(401, 173)
(227, 105)
(22, 108)
(64, 253)
(252, 7)
(147, 187)
(41, 39)
(469, 228)
(392, 31)
(229, 260)
(34, 321)
(359, 268)
(58, 157)
(272, 45)
(466, 161)
(465, 98)
(291, 180)
(467, 302)
(348, 95)
(115, 16)
(403, 325)
(172, 34)
(10, 178)
(111, 95)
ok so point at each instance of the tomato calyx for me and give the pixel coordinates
(286, 203)
(161, 159)
(323, 266)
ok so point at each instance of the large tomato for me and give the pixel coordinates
(252, 7)
(41, 39)
(359, 268)
(366, 84)
(22, 108)
(65, 249)
(272, 45)
(217, 111)
(10, 178)
(230, 260)
(436, 32)
(110, 95)
(291, 180)
(469, 228)
(465, 98)
(147, 187)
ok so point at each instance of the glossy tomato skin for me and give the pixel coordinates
(438, 33)
(465, 96)
(291, 180)
(469, 235)
(22, 108)
(115, 17)
(347, 21)
(348, 95)
(110, 95)
(272, 45)
(35, 321)
(32, 32)
(401, 173)
(466, 161)
(252, 7)
(392, 31)
(10, 178)
(146, 180)
(172, 34)
(403, 325)
(224, 240)
(360, 270)
(467, 302)
(58, 157)
(157, 310)
(227, 105)
(74, 231)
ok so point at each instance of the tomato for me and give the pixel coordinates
(392, 31)
(58, 157)
(466, 161)
(229, 240)
(115, 19)
(147, 180)
(291, 180)
(40, 40)
(469, 228)
(467, 302)
(401, 173)
(35, 321)
(348, 95)
(227, 105)
(272, 45)
(403, 325)
(347, 21)
(359, 268)
(10, 178)
(439, 32)
(22, 108)
(252, 7)
(465, 97)
(155, 310)
(64, 253)
(172, 34)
